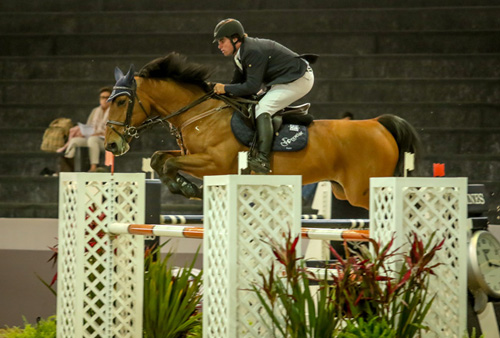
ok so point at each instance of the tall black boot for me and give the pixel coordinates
(260, 163)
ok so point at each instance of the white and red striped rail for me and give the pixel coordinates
(183, 231)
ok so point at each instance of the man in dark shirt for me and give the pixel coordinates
(262, 65)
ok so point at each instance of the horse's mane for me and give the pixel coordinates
(176, 67)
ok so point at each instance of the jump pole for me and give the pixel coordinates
(182, 231)
(197, 219)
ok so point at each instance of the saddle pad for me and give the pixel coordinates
(291, 137)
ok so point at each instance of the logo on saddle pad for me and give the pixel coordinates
(291, 137)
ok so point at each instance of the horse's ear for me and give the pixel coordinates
(130, 75)
(118, 74)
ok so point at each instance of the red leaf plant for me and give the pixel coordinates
(364, 285)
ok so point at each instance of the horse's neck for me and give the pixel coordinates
(173, 97)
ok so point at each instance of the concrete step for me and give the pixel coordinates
(468, 154)
(257, 21)
(29, 189)
(170, 204)
(420, 114)
(466, 90)
(406, 90)
(434, 139)
(330, 66)
(477, 167)
(14, 6)
(30, 139)
(41, 114)
(50, 210)
(480, 141)
(414, 42)
(44, 189)
(35, 207)
(31, 163)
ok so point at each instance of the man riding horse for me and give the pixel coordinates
(262, 64)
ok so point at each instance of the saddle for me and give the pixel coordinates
(289, 124)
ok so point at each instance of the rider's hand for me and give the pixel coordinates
(219, 88)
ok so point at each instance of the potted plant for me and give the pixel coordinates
(359, 293)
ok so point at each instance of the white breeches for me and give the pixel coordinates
(282, 95)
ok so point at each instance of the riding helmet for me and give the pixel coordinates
(228, 28)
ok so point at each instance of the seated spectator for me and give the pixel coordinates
(89, 135)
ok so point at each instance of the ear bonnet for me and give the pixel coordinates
(125, 84)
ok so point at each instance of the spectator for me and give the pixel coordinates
(89, 135)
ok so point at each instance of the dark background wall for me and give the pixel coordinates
(435, 63)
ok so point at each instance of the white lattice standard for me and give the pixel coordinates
(241, 214)
(100, 277)
(401, 206)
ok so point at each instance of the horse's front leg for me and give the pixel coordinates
(173, 181)
(167, 165)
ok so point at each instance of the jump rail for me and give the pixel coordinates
(319, 222)
(197, 219)
(182, 231)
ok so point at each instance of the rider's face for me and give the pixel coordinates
(226, 47)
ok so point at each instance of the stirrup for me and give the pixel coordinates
(259, 164)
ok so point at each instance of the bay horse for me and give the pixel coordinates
(171, 89)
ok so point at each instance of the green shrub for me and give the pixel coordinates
(374, 328)
(170, 299)
(43, 329)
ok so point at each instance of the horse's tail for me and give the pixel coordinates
(407, 140)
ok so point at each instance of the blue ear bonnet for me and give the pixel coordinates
(125, 84)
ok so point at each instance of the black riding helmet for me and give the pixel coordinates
(229, 28)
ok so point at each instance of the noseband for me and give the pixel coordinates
(132, 131)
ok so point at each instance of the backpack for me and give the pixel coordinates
(56, 134)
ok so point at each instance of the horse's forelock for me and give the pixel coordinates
(176, 67)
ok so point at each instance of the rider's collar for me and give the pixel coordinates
(237, 60)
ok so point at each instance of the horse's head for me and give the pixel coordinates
(124, 115)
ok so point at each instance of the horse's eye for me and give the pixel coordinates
(121, 103)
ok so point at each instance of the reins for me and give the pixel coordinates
(238, 104)
(131, 131)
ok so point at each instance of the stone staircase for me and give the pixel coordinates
(434, 63)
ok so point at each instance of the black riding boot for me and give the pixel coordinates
(260, 163)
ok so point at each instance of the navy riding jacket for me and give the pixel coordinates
(265, 63)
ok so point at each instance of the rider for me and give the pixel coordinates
(262, 64)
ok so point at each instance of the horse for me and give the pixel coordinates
(173, 90)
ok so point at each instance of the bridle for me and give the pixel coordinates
(129, 130)
(132, 131)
